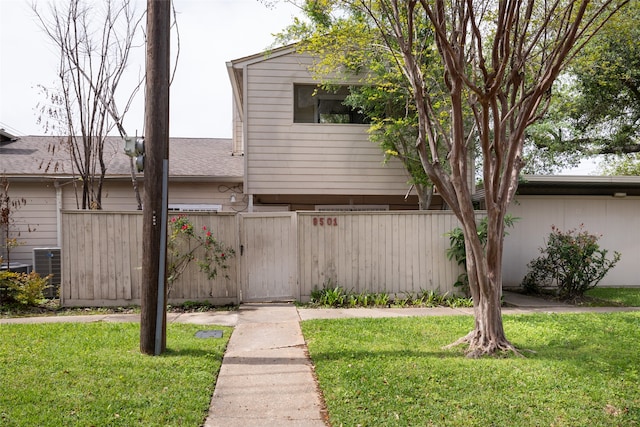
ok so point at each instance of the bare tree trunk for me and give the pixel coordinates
(425, 196)
(134, 182)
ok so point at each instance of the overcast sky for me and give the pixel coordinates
(212, 32)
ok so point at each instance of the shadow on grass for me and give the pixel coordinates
(191, 352)
(266, 361)
(387, 354)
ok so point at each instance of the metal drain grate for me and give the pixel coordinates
(209, 334)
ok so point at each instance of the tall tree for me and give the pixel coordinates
(598, 111)
(95, 41)
(607, 73)
(500, 59)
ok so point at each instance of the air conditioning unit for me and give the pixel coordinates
(48, 261)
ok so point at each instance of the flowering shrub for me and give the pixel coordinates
(186, 244)
(572, 260)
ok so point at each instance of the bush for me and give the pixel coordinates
(22, 288)
(572, 261)
(458, 251)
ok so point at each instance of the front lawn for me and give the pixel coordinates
(75, 374)
(579, 369)
(627, 297)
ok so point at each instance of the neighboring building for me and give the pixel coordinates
(605, 205)
(203, 175)
(304, 149)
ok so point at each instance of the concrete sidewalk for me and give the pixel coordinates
(266, 378)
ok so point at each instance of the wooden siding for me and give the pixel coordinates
(236, 131)
(36, 225)
(119, 196)
(616, 219)
(392, 252)
(116, 195)
(294, 158)
(35, 221)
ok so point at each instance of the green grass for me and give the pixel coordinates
(75, 374)
(627, 297)
(582, 369)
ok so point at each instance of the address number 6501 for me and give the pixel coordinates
(322, 221)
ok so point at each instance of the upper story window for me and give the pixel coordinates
(313, 104)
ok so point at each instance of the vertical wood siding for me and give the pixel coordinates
(392, 252)
(102, 260)
(285, 255)
(268, 261)
(288, 254)
(616, 220)
(194, 285)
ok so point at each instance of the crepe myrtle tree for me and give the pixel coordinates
(95, 42)
(496, 62)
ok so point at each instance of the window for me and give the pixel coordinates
(351, 208)
(313, 104)
(186, 207)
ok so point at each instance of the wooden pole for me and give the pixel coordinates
(153, 303)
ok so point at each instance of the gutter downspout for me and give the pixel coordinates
(58, 188)
(245, 132)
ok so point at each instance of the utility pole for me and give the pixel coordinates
(153, 316)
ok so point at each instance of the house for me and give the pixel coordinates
(605, 205)
(204, 175)
(303, 149)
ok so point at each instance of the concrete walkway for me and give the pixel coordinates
(266, 378)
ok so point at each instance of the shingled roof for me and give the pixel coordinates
(189, 158)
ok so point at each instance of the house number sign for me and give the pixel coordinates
(322, 221)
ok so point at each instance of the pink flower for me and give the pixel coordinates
(185, 226)
(221, 255)
(208, 234)
(204, 227)
(174, 219)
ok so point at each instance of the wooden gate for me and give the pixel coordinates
(268, 254)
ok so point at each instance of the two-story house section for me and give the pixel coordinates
(304, 149)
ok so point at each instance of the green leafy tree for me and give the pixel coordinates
(622, 165)
(498, 61)
(596, 105)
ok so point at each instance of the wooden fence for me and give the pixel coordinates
(392, 252)
(396, 252)
(102, 260)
